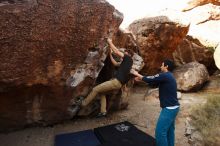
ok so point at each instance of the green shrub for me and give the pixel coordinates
(206, 119)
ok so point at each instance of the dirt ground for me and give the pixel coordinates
(142, 114)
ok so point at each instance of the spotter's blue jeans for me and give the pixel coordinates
(165, 129)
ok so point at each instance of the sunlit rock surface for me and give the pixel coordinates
(205, 21)
(195, 3)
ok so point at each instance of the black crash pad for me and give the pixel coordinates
(123, 134)
(82, 138)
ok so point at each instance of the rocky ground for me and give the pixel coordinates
(142, 114)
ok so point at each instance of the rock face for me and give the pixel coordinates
(158, 37)
(191, 50)
(43, 43)
(191, 76)
(125, 39)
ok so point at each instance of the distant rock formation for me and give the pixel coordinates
(195, 3)
(204, 16)
(190, 50)
(158, 37)
(204, 23)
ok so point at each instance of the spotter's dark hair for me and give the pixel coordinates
(170, 64)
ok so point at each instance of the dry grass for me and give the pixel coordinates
(206, 118)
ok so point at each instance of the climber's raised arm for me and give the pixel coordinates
(115, 63)
(114, 49)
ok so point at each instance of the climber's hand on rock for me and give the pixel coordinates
(109, 40)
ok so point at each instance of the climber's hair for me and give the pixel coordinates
(130, 52)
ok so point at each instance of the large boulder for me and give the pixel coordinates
(43, 44)
(191, 76)
(158, 37)
(190, 50)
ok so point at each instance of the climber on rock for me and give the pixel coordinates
(120, 78)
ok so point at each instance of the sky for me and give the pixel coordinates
(135, 9)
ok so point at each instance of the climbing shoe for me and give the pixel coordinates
(79, 100)
(100, 115)
(73, 110)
